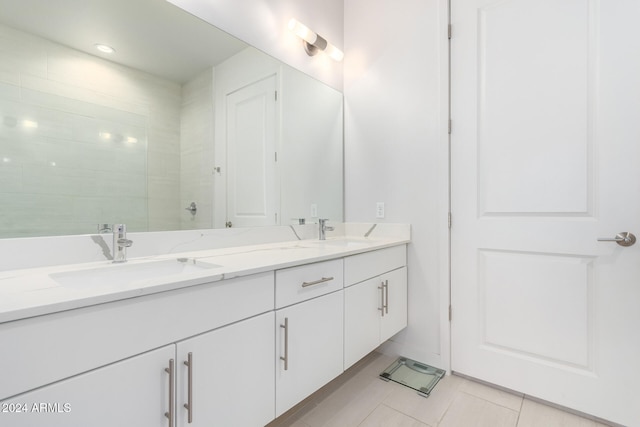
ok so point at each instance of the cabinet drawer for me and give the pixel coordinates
(308, 281)
(358, 268)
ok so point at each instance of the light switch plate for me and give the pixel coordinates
(314, 211)
(380, 210)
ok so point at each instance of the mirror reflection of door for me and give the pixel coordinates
(252, 196)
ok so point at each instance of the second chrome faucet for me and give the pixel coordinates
(120, 243)
(323, 228)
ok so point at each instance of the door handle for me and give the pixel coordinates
(623, 239)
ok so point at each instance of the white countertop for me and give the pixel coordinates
(33, 292)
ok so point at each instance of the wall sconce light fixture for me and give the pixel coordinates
(314, 43)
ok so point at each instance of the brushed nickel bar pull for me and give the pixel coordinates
(189, 405)
(317, 282)
(285, 358)
(386, 296)
(170, 371)
(381, 287)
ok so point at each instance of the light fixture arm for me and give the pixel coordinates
(312, 49)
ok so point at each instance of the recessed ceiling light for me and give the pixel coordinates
(104, 48)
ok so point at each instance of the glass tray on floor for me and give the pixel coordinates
(418, 376)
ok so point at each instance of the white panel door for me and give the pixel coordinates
(545, 147)
(252, 190)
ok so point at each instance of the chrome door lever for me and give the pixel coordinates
(623, 239)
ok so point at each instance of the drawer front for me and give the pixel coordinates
(41, 350)
(308, 281)
(358, 268)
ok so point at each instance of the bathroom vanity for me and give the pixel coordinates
(232, 337)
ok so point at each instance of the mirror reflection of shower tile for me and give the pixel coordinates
(9, 121)
(418, 376)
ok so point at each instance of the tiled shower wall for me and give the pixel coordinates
(197, 151)
(78, 136)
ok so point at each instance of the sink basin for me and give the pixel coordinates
(343, 243)
(124, 274)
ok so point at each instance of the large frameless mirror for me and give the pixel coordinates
(182, 126)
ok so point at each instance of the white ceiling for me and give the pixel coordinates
(151, 35)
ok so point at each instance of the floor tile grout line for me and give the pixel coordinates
(444, 413)
(520, 411)
(369, 414)
(493, 402)
(407, 415)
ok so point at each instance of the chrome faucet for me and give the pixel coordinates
(323, 228)
(120, 243)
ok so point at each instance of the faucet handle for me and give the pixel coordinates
(322, 222)
(104, 228)
(124, 243)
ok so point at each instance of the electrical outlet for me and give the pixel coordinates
(314, 210)
(380, 210)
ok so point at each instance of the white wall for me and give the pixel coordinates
(263, 24)
(396, 148)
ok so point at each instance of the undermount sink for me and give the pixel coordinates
(124, 274)
(343, 243)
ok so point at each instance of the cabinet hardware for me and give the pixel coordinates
(285, 358)
(381, 287)
(386, 297)
(189, 405)
(317, 282)
(170, 370)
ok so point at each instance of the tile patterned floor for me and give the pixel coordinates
(358, 398)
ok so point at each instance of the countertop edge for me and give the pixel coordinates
(158, 286)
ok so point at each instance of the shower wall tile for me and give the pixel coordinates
(9, 90)
(64, 170)
(82, 94)
(196, 151)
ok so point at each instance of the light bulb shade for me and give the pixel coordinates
(314, 43)
(302, 31)
(334, 52)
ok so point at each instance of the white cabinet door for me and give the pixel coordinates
(232, 375)
(395, 303)
(312, 344)
(374, 311)
(362, 313)
(134, 392)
